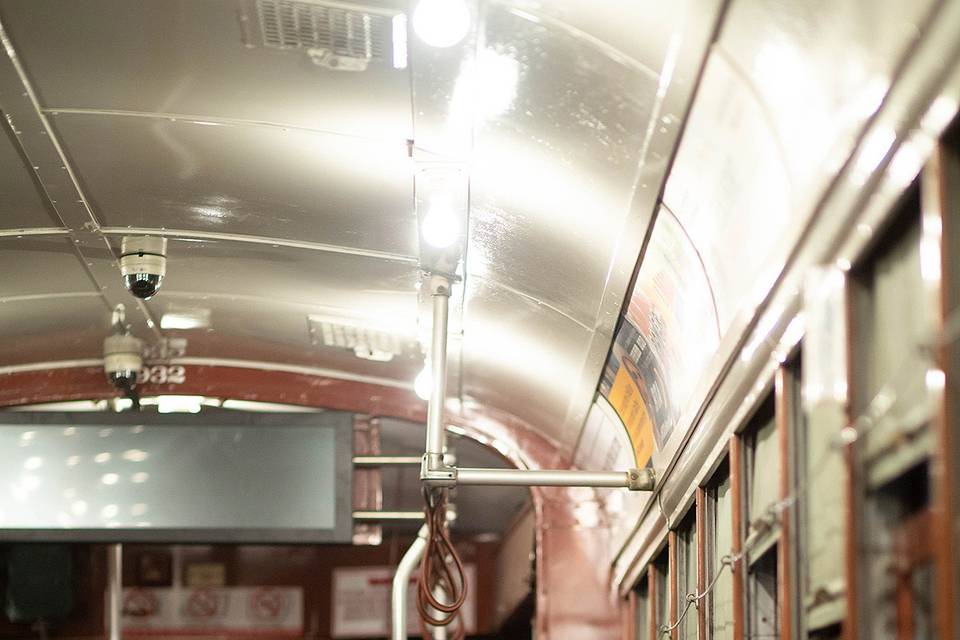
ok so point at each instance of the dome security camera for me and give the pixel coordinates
(122, 360)
(121, 355)
(143, 263)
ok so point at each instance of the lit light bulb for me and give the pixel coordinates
(441, 23)
(440, 226)
(423, 385)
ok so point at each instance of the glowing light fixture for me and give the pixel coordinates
(440, 228)
(441, 23)
(179, 404)
(423, 384)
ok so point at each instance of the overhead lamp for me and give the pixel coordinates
(423, 384)
(441, 23)
(440, 227)
(179, 404)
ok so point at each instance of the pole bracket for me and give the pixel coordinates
(434, 472)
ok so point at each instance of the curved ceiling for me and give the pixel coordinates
(290, 182)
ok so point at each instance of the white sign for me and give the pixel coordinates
(361, 602)
(212, 610)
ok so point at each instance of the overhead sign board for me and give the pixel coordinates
(145, 477)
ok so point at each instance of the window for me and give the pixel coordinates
(687, 575)
(763, 613)
(761, 474)
(661, 591)
(718, 527)
(642, 610)
(897, 556)
(762, 466)
(892, 322)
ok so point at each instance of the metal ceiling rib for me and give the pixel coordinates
(272, 241)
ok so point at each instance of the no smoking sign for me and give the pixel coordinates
(267, 605)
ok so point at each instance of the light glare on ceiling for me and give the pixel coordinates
(186, 319)
(441, 23)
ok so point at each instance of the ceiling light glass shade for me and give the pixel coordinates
(441, 23)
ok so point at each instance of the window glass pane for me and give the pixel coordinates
(719, 541)
(762, 606)
(687, 575)
(898, 318)
(662, 595)
(642, 617)
(762, 462)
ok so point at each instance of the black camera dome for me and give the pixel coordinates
(143, 285)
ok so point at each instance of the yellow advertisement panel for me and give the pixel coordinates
(626, 400)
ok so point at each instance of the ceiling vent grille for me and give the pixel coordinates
(333, 36)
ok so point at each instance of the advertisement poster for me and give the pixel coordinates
(361, 602)
(668, 336)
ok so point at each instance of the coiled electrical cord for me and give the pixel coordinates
(441, 570)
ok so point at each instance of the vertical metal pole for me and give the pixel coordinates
(436, 434)
(401, 579)
(439, 633)
(115, 577)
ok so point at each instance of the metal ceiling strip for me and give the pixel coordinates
(276, 242)
(45, 366)
(48, 296)
(334, 374)
(50, 164)
(37, 231)
(221, 362)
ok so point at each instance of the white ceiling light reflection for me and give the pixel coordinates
(33, 462)
(102, 458)
(496, 76)
(485, 89)
(138, 509)
(135, 455)
(423, 384)
(441, 23)
(78, 507)
(109, 511)
(109, 478)
(73, 461)
(140, 477)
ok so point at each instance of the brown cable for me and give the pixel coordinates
(440, 569)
